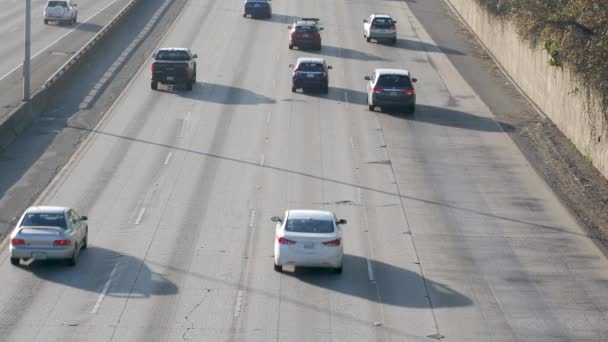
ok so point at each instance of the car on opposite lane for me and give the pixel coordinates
(173, 66)
(310, 73)
(48, 232)
(257, 9)
(391, 88)
(380, 27)
(305, 33)
(308, 238)
(60, 11)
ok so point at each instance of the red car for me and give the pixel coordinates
(305, 33)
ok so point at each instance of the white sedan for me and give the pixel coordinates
(309, 238)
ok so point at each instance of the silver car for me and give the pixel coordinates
(45, 232)
(380, 27)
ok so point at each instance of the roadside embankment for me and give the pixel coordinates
(569, 103)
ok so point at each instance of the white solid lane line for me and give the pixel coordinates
(105, 289)
(252, 218)
(239, 301)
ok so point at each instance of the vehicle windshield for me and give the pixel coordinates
(306, 29)
(310, 67)
(44, 220)
(57, 3)
(172, 55)
(394, 81)
(309, 225)
(256, 4)
(383, 22)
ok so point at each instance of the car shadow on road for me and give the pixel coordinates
(282, 19)
(341, 95)
(396, 286)
(443, 116)
(96, 266)
(219, 93)
(338, 52)
(416, 45)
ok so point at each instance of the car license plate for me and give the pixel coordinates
(256, 5)
(310, 75)
(309, 245)
(305, 35)
(394, 93)
(170, 78)
(39, 255)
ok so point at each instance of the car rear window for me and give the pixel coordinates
(309, 225)
(172, 55)
(256, 4)
(383, 22)
(44, 220)
(306, 28)
(310, 67)
(394, 81)
(57, 3)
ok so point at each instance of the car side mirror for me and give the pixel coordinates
(291, 66)
(276, 219)
(341, 221)
(414, 80)
(329, 67)
(394, 22)
(84, 218)
(367, 78)
(194, 56)
(320, 28)
(289, 27)
(364, 20)
(75, 5)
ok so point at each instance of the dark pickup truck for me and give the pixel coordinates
(174, 66)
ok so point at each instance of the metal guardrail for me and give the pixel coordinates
(75, 57)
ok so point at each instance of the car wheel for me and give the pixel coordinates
(278, 268)
(368, 39)
(290, 46)
(411, 108)
(154, 85)
(46, 22)
(293, 89)
(338, 270)
(319, 48)
(244, 15)
(73, 260)
(394, 41)
(15, 261)
(85, 241)
(325, 89)
(371, 107)
(189, 85)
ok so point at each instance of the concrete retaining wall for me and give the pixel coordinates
(572, 106)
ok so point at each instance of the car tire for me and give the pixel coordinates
(368, 39)
(318, 48)
(244, 15)
(278, 268)
(15, 261)
(325, 89)
(290, 46)
(189, 85)
(46, 22)
(293, 89)
(85, 241)
(154, 85)
(73, 260)
(371, 108)
(394, 41)
(411, 109)
(338, 270)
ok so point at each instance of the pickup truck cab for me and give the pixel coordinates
(174, 66)
(60, 11)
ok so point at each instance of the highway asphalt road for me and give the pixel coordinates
(451, 234)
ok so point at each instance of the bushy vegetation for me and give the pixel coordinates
(574, 33)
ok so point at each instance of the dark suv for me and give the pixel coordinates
(391, 88)
(305, 33)
(310, 73)
(257, 9)
(173, 66)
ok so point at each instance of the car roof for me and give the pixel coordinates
(173, 49)
(379, 15)
(402, 72)
(321, 215)
(310, 60)
(46, 209)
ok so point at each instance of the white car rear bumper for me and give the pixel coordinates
(330, 257)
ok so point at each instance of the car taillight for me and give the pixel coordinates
(325, 74)
(335, 242)
(409, 91)
(392, 28)
(17, 242)
(63, 242)
(284, 241)
(153, 68)
(373, 27)
(187, 68)
(378, 90)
